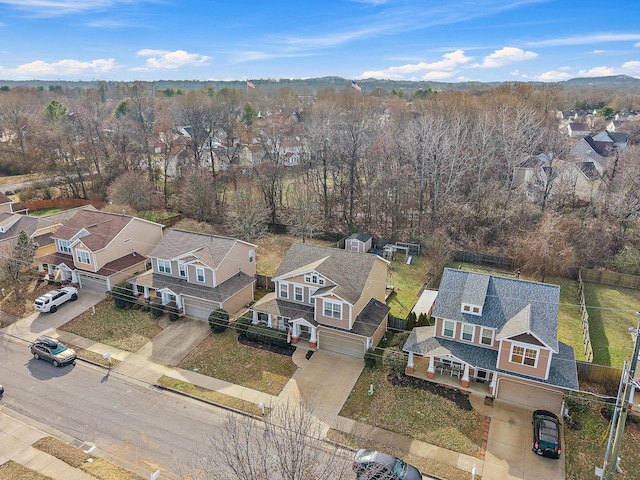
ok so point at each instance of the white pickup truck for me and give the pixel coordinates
(50, 301)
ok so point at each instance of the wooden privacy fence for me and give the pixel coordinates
(608, 277)
(598, 373)
(264, 282)
(395, 323)
(584, 317)
(62, 203)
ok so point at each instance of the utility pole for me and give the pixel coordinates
(610, 466)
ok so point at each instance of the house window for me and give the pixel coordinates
(313, 278)
(284, 290)
(476, 310)
(467, 332)
(83, 257)
(332, 309)
(63, 246)
(200, 274)
(298, 294)
(487, 336)
(182, 269)
(164, 266)
(466, 308)
(448, 328)
(524, 356)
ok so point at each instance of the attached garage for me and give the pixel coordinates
(342, 343)
(534, 396)
(96, 283)
(198, 308)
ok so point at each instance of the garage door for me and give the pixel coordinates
(530, 395)
(95, 283)
(344, 344)
(198, 308)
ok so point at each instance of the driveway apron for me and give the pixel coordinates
(324, 383)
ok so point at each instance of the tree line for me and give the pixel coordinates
(435, 168)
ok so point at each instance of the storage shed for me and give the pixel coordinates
(358, 242)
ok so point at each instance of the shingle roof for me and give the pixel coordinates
(209, 249)
(348, 270)
(505, 299)
(363, 237)
(102, 227)
(422, 341)
(283, 308)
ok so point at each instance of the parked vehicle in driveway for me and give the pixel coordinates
(546, 434)
(52, 350)
(371, 464)
(50, 301)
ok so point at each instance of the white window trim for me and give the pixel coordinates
(164, 264)
(182, 269)
(526, 347)
(204, 276)
(297, 288)
(482, 337)
(332, 304)
(284, 287)
(83, 252)
(444, 328)
(64, 246)
(473, 332)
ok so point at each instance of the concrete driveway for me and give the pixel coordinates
(508, 454)
(176, 340)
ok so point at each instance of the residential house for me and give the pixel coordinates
(575, 129)
(8, 205)
(358, 242)
(97, 250)
(498, 331)
(200, 272)
(334, 298)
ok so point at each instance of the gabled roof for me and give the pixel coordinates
(188, 246)
(589, 170)
(363, 237)
(101, 227)
(348, 270)
(505, 304)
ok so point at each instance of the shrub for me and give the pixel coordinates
(156, 308)
(372, 358)
(242, 324)
(264, 334)
(122, 295)
(219, 320)
(411, 321)
(173, 311)
(395, 360)
(577, 404)
(399, 339)
(423, 320)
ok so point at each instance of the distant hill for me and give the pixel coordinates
(313, 85)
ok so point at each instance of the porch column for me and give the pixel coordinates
(146, 293)
(270, 321)
(465, 376)
(254, 321)
(134, 290)
(313, 339)
(295, 335)
(431, 370)
(493, 385)
(410, 365)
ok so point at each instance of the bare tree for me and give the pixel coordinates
(287, 445)
(134, 190)
(304, 218)
(18, 258)
(247, 216)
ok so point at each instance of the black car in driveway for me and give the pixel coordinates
(371, 464)
(546, 434)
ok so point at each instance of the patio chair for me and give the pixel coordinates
(455, 370)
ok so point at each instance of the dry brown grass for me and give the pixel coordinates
(14, 471)
(272, 249)
(75, 457)
(21, 305)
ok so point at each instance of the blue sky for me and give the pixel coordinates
(449, 41)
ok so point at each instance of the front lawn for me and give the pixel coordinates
(415, 413)
(222, 356)
(125, 329)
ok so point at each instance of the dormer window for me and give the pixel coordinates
(315, 279)
(63, 246)
(472, 309)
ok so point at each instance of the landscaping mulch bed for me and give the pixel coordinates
(460, 399)
(288, 351)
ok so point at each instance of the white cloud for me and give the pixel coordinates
(598, 52)
(64, 68)
(437, 75)
(631, 68)
(505, 56)
(166, 60)
(53, 8)
(598, 72)
(554, 76)
(637, 44)
(441, 69)
(586, 39)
